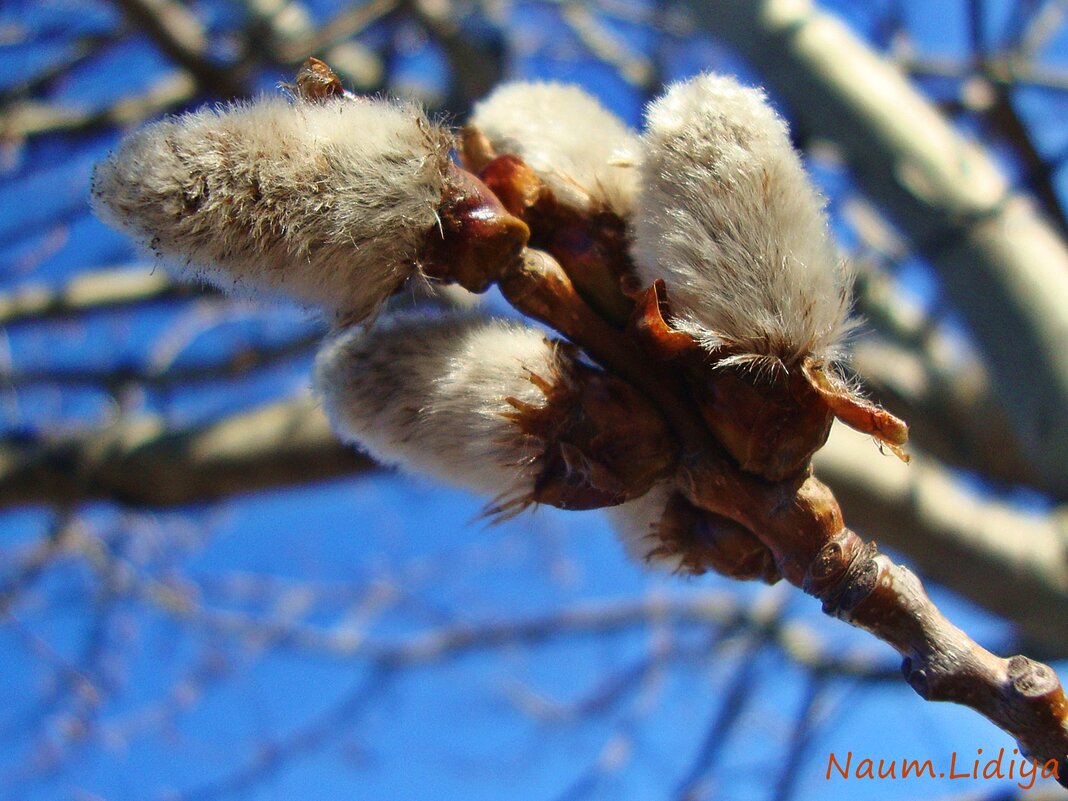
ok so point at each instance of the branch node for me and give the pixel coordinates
(1033, 680)
(843, 574)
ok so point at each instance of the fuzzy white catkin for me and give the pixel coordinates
(429, 394)
(730, 220)
(326, 202)
(575, 145)
(635, 524)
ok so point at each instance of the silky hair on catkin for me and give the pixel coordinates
(431, 395)
(729, 219)
(574, 144)
(328, 202)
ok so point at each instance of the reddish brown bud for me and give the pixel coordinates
(591, 245)
(476, 151)
(476, 238)
(856, 412)
(650, 327)
(700, 541)
(605, 442)
(771, 422)
(514, 183)
(316, 82)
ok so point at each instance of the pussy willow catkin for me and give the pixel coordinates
(326, 202)
(729, 219)
(576, 146)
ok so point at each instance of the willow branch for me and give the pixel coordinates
(1007, 561)
(141, 463)
(1002, 265)
(803, 526)
(800, 522)
(955, 538)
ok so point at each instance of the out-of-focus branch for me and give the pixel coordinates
(94, 291)
(180, 36)
(476, 65)
(1002, 265)
(81, 51)
(1043, 26)
(30, 566)
(956, 538)
(735, 701)
(1010, 562)
(115, 376)
(290, 37)
(985, 88)
(799, 643)
(951, 412)
(635, 68)
(33, 117)
(296, 37)
(1038, 172)
(923, 375)
(1006, 69)
(806, 726)
(437, 644)
(140, 463)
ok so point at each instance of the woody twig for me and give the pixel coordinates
(704, 325)
(797, 518)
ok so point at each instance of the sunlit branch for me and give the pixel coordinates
(141, 463)
(27, 118)
(235, 365)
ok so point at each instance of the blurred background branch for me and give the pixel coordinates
(137, 410)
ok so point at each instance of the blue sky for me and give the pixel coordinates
(201, 703)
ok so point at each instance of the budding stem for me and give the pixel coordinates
(537, 286)
(799, 520)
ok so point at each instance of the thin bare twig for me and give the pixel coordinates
(741, 688)
(786, 785)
